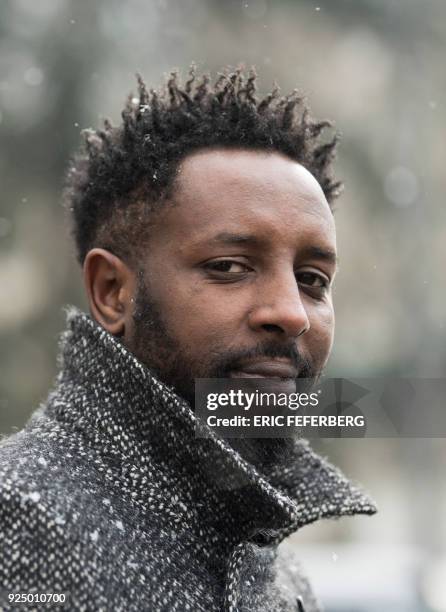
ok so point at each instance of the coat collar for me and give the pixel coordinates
(124, 410)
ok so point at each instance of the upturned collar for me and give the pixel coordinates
(126, 412)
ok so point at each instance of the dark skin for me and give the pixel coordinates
(244, 256)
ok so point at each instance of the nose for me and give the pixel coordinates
(281, 309)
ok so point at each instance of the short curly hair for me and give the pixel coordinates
(124, 173)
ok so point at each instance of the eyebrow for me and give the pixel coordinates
(313, 252)
(322, 254)
(229, 238)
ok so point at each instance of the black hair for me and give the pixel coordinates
(123, 173)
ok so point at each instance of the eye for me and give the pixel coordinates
(317, 284)
(312, 279)
(226, 267)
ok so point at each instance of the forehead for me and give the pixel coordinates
(247, 191)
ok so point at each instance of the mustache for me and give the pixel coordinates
(230, 360)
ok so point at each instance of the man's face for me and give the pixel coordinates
(236, 279)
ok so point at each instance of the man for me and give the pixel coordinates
(204, 227)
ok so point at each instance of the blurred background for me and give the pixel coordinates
(375, 67)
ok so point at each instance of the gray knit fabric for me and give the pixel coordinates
(107, 496)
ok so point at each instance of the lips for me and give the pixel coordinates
(265, 368)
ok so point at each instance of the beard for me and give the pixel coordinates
(163, 354)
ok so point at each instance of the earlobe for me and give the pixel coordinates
(109, 285)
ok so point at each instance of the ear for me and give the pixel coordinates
(110, 286)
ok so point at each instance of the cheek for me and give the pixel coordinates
(322, 333)
(201, 318)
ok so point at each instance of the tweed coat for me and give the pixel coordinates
(108, 497)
